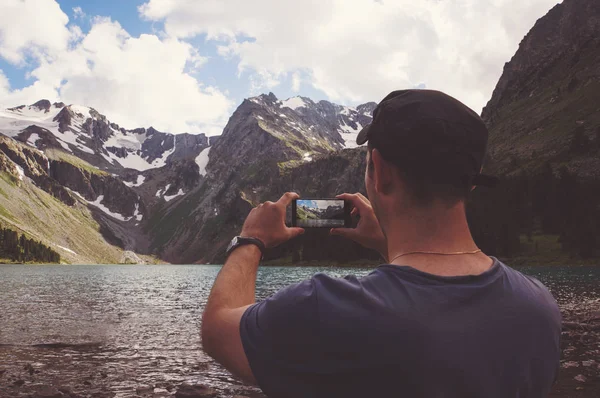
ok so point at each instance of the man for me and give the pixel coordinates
(439, 319)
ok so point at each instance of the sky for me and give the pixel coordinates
(185, 65)
(318, 204)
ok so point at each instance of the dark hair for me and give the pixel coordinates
(424, 188)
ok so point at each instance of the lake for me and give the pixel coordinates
(329, 223)
(133, 330)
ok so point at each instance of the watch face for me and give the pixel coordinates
(234, 242)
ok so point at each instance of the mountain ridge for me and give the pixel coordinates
(135, 180)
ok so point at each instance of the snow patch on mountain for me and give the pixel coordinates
(71, 138)
(65, 249)
(140, 180)
(137, 215)
(346, 111)
(160, 192)
(32, 139)
(82, 110)
(20, 171)
(293, 103)
(132, 161)
(168, 198)
(137, 162)
(349, 134)
(307, 157)
(131, 141)
(162, 161)
(202, 161)
(98, 204)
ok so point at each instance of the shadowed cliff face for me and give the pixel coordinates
(545, 106)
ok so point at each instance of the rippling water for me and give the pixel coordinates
(118, 329)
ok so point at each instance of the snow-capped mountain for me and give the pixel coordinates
(85, 133)
(162, 193)
(318, 119)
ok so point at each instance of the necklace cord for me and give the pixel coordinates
(427, 252)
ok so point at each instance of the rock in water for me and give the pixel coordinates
(29, 368)
(130, 257)
(198, 391)
(141, 390)
(570, 364)
(48, 392)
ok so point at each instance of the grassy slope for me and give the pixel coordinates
(56, 154)
(26, 208)
(305, 215)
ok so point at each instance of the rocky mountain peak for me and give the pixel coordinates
(43, 105)
(567, 31)
(545, 106)
(63, 118)
(367, 108)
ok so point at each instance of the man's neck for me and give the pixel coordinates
(438, 230)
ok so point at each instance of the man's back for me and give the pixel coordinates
(402, 332)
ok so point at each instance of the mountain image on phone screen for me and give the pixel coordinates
(320, 213)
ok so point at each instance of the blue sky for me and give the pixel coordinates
(184, 66)
(318, 204)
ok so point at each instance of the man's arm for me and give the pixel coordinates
(234, 289)
(231, 295)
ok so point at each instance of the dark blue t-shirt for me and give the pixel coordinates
(400, 332)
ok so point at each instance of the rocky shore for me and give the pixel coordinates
(579, 374)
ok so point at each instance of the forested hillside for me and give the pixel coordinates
(24, 250)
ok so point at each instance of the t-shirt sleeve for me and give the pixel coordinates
(280, 336)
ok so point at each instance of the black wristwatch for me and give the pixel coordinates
(238, 241)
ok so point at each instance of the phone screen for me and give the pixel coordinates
(320, 213)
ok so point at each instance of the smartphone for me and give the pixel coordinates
(321, 213)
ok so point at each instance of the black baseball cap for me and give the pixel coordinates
(431, 132)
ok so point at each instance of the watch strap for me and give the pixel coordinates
(244, 240)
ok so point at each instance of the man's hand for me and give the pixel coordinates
(368, 231)
(267, 222)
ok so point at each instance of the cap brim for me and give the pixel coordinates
(363, 136)
(484, 180)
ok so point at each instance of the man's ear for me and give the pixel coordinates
(382, 173)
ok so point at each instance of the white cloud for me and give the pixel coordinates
(139, 81)
(32, 28)
(296, 81)
(27, 95)
(135, 81)
(360, 50)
